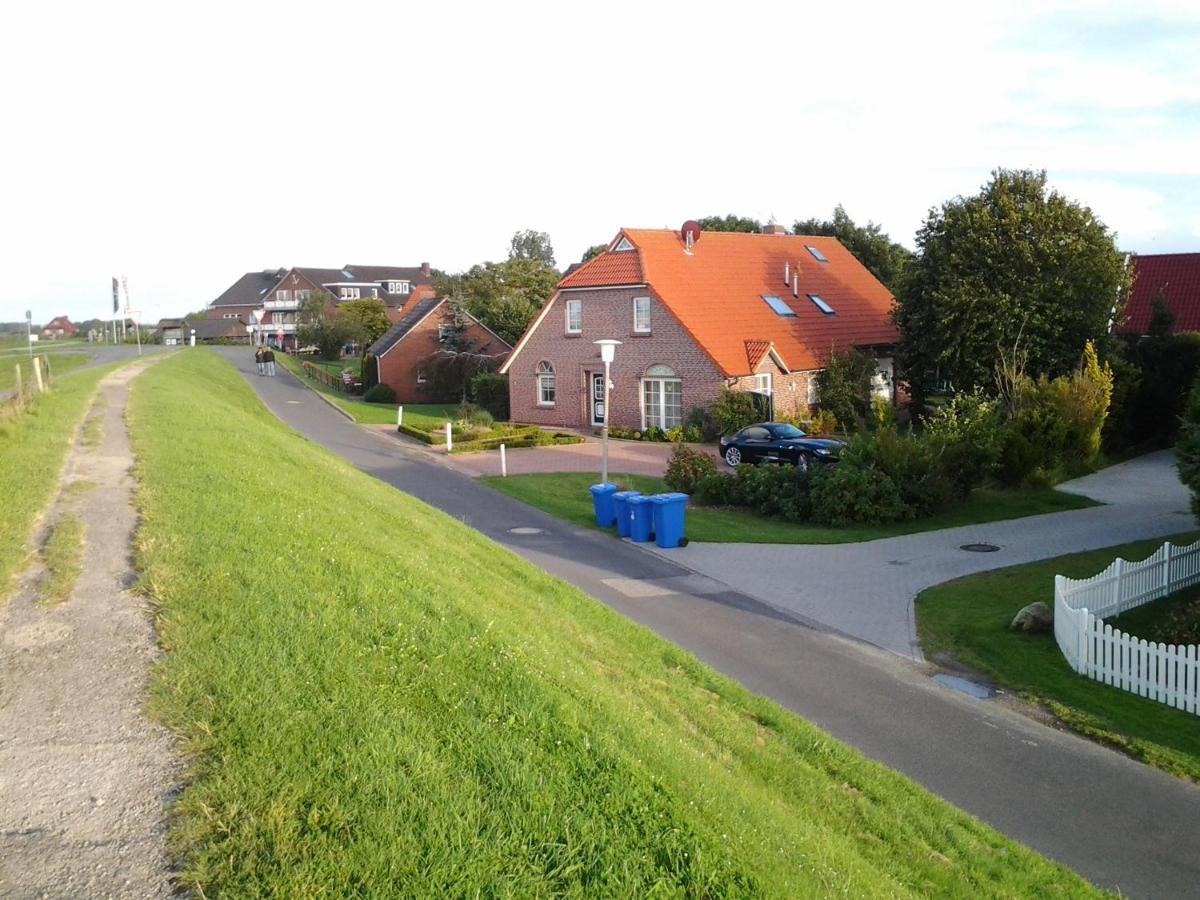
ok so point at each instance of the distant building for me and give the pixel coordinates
(58, 327)
(1175, 277)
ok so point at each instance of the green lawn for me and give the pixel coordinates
(60, 363)
(967, 619)
(335, 368)
(33, 445)
(375, 700)
(565, 494)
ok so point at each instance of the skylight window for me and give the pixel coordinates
(821, 304)
(778, 306)
(350, 277)
(817, 254)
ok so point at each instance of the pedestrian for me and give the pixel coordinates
(260, 361)
(270, 355)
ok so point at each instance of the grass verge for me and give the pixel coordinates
(60, 363)
(967, 620)
(33, 445)
(63, 557)
(378, 701)
(565, 494)
(424, 417)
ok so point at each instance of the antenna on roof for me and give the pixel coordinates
(786, 276)
(690, 232)
(795, 283)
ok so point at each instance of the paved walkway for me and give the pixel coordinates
(1139, 833)
(867, 590)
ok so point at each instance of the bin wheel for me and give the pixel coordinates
(683, 542)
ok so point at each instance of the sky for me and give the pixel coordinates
(183, 145)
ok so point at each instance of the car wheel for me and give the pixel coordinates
(733, 456)
(802, 462)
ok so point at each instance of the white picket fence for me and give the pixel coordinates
(1167, 673)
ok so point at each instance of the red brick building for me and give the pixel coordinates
(695, 312)
(58, 327)
(405, 354)
(1175, 277)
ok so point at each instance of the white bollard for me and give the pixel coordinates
(399, 416)
(449, 439)
(503, 463)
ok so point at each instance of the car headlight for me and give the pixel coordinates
(821, 451)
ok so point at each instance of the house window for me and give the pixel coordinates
(821, 304)
(398, 287)
(662, 398)
(814, 392)
(778, 306)
(762, 383)
(303, 295)
(574, 316)
(623, 246)
(445, 329)
(817, 254)
(348, 293)
(283, 295)
(641, 315)
(545, 384)
(375, 292)
(420, 376)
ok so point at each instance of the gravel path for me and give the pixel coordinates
(85, 779)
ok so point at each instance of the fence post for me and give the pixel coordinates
(49, 374)
(1118, 577)
(399, 416)
(20, 387)
(1166, 585)
(449, 439)
(503, 463)
(37, 374)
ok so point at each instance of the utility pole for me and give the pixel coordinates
(136, 327)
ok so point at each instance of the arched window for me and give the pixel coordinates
(545, 383)
(662, 398)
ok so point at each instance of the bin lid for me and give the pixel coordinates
(639, 499)
(607, 488)
(625, 495)
(673, 497)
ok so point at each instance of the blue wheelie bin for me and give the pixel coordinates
(621, 503)
(602, 504)
(641, 518)
(668, 518)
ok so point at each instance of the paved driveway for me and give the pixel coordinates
(867, 590)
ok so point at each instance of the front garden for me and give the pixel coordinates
(966, 623)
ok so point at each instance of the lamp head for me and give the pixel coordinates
(608, 349)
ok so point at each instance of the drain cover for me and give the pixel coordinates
(979, 548)
(526, 530)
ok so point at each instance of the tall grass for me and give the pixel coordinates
(378, 701)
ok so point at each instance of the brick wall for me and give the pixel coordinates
(399, 367)
(606, 314)
(790, 391)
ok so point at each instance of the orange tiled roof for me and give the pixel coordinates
(716, 293)
(755, 351)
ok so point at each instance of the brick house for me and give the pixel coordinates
(695, 312)
(1173, 276)
(402, 355)
(58, 327)
(244, 298)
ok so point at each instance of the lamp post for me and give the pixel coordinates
(608, 350)
(29, 329)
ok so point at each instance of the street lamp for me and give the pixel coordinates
(29, 329)
(608, 350)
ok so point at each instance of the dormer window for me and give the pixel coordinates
(399, 287)
(348, 293)
(623, 246)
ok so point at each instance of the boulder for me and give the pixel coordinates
(1035, 618)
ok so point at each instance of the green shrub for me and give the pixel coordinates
(845, 386)
(471, 414)
(1180, 626)
(370, 371)
(1187, 448)
(733, 411)
(844, 495)
(966, 436)
(701, 426)
(380, 393)
(715, 489)
(686, 467)
(490, 390)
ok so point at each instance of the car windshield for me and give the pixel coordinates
(786, 431)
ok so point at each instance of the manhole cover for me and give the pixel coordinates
(979, 548)
(524, 529)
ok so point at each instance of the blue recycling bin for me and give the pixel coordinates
(641, 518)
(621, 504)
(602, 504)
(668, 518)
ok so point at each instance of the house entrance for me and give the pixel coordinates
(597, 401)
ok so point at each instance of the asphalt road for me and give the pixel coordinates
(102, 354)
(1123, 825)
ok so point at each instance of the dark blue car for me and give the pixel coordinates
(778, 442)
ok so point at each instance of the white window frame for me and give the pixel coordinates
(420, 376)
(660, 382)
(623, 246)
(645, 327)
(576, 305)
(444, 328)
(349, 293)
(301, 296)
(763, 383)
(545, 378)
(283, 295)
(814, 392)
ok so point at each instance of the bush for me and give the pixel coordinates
(686, 467)
(1150, 390)
(380, 393)
(490, 390)
(1187, 448)
(822, 423)
(966, 436)
(845, 495)
(370, 371)
(701, 426)
(716, 489)
(845, 386)
(470, 414)
(733, 411)
(1180, 626)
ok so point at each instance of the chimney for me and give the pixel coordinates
(772, 228)
(425, 270)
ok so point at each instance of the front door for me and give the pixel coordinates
(597, 402)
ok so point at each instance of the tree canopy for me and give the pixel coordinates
(593, 251)
(366, 319)
(1016, 270)
(531, 245)
(885, 259)
(323, 326)
(730, 223)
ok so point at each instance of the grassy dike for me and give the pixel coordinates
(33, 445)
(378, 701)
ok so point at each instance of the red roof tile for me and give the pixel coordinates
(1174, 275)
(608, 268)
(717, 292)
(755, 351)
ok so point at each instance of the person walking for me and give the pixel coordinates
(260, 361)
(270, 356)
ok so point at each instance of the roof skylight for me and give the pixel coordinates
(778, 306)
(347, 275)
(821, 304)
(817, 254)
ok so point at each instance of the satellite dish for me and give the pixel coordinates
(690, 232)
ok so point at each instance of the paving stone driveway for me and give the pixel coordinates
(867, 590)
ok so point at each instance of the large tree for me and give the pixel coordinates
(886, 259)
(1016, 270)
(366, 319)
(730, 223)
(532, 245)
(323, 326)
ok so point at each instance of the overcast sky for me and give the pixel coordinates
(184, 145)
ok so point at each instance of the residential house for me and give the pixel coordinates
(695, 312)
(405, 353)
(213, 331)
(170, 331)
(58, 327)
(244, 298)
(1173, 276)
